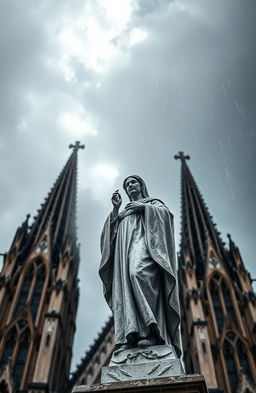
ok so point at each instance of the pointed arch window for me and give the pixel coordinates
(243, 358)
(23, 295)
(9, 346)
(21, 356)
(231, 367)
(222, 302)
(38, 288)
(214, 289)
(229, 303)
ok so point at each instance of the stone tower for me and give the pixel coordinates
(217, 298)
(39, 293)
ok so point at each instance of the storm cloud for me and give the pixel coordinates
(136, 81)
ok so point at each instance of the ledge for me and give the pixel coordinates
(178, 384)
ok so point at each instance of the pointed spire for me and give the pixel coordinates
(196, 222)
(58, 212)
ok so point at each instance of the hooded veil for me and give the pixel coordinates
(144, 190)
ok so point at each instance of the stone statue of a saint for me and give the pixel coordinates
(138, 270)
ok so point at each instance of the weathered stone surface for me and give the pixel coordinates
(177, 384)
(143, 354)
(142, 363)
(148, 370)
(138, 269)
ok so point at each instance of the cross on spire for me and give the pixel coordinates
(182, 157)
(76, 146)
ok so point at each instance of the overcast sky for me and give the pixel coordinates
(136, 81)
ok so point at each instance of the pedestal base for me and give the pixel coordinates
(131, 372)
(158, 361)
(179, 384)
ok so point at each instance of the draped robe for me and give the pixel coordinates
(139, 273)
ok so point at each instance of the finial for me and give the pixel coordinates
(76, 146)
(181, 156)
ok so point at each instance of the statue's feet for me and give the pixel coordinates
(120, 348)
(150, 341)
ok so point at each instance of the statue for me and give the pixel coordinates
(138, 270)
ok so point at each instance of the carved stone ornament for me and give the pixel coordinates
(60, 284)
(214, 263)
(137, 355)
(142, 363)
(42, 247)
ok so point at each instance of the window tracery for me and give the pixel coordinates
(231, 367)
(38, 288)
(236, 358)
(228, 303)
(243, 358)
(9, 346)
(23, 295)
(16, 348)
(222, 302)
(219, 316)
(21, 356)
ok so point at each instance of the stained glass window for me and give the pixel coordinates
(229, 304)
(24, 291)
(9, 347)
(231, 368)
(37, 293)
(21, 357)
(217, 305)
(242, 355)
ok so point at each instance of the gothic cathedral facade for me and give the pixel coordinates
(39, 293)
(218, 303)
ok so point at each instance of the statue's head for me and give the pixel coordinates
(136, 182)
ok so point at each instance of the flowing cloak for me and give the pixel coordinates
(147, 238)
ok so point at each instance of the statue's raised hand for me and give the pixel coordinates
(116, 200)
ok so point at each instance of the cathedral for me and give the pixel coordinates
(39, 297)
(39, 293)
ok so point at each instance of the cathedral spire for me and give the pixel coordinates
(197, 226)
(39, 291)
(58, 212)
(217, 299)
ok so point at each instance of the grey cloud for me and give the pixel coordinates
(189, 86)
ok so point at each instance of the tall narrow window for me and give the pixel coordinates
(217, 305)
(231, 367)
(229, 304)
(242, 355)
(37, 292)
(21, 357)
(24, 291)
(9, 346)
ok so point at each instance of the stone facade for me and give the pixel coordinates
(179, 384)
(217, 298)
(39, 294)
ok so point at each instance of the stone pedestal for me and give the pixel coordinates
(158, 361)
(178, 384)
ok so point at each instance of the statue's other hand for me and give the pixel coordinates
(135, 206)
(116, 200)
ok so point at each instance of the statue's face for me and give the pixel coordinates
(132, 186)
